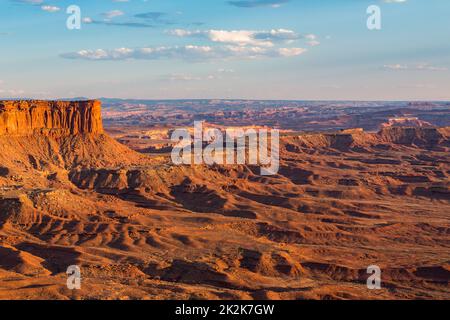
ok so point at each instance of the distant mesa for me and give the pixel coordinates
(55, 135)
(406, 122)
(25, 117)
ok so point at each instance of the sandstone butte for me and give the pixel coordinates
(38, 116)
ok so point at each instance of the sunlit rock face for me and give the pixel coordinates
(64, 117)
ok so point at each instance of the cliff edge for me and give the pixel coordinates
(39, 138)
(24, 117)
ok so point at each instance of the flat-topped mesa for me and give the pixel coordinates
(37, 116)
(414, 135)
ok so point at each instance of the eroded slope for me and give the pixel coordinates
(340, 203)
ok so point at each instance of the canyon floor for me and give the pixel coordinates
(141, 228)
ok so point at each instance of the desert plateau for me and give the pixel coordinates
(139, 227)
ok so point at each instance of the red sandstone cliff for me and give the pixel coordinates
(71, 117)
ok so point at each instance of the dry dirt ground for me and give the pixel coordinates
(140, 228)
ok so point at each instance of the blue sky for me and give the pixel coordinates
(251, 49)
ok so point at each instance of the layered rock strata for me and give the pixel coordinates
(35, 116)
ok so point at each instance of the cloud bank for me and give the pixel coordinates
(242, 37)
(188, 52)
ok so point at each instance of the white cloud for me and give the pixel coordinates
(223, 70)
(291, 52)
(189, 52)
(236, 37)
(241, 37)
(113, 14)
(180, 77)
(395, 66)
(427, 66)
(419, 66)
(50, 8)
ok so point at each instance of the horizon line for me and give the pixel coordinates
(229, 99)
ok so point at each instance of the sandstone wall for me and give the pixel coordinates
(412, 135)
(31, 116)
